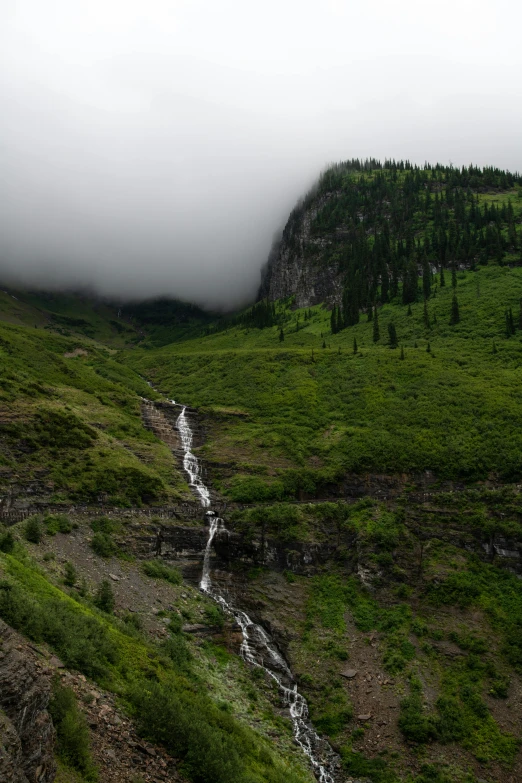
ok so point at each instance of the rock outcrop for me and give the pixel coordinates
(296, 266)
(26, 730)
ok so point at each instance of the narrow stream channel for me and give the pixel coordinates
(257, 647)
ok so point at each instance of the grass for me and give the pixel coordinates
(158, 570)
(74, 423)
(308, 421)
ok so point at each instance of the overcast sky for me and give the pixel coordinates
(155, 146)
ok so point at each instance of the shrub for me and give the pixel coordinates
(190, 727)
(80, 640)
(33, 530)
(214, 616)
(104, 598)
(178, 652)
(132, 621)
(103, 525)
(57, 523)
(70, 575)
(375, 769)
(333, 722)
(103, 545)
(72, 732)
(176, 623)
(413, 722)
(158, 570)
(7, 542)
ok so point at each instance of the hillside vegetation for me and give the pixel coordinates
(407, 377)
(298, 413)
(71, 423)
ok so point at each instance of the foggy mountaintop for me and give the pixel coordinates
(155, 147)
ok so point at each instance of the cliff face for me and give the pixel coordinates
(297, 264)
(26, 729)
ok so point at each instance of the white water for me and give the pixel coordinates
(190, 462)
(257, 648)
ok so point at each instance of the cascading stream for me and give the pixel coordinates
(190, 462)
(257, 648)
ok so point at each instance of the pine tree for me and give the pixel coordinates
(426, 279)
(428, 348)
(354, 345)
(494, 349)
(70, 575)
(442, 279)
(281, 335)
(454, 277)
(402, 352)
(426, 315)
(324, 344)
(333, 321)
(511, 321)
(455, 315)
(104, 598)
(392, 334)
(409, 310)
(376, 332)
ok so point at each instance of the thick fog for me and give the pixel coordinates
(152, 147)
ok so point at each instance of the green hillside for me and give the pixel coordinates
(71, 423)
(445, 399)
(397, 411)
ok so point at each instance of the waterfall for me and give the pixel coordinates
(190, 462)
(257, 648)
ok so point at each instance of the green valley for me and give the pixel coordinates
(359, 429)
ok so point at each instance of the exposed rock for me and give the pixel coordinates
(10, 753)
(349, 673)
(27, 733)
(292, 268)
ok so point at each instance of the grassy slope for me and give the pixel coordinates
(73, 422)
(455, 410)
(67, 314)
(178, 682)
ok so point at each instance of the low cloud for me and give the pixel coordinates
(154, 148)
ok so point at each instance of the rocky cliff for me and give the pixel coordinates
(26, 729)
(296, 266)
